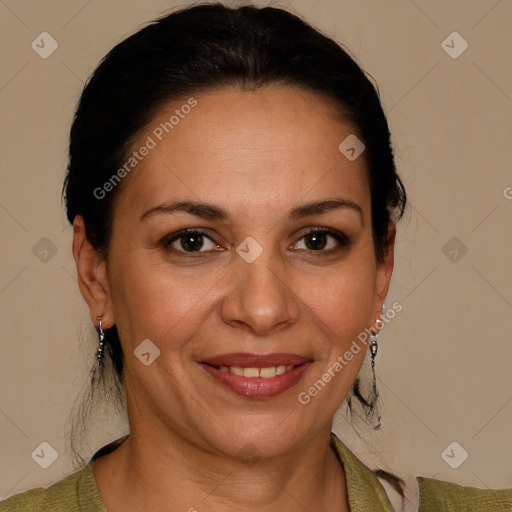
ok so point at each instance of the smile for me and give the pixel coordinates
(257, 376)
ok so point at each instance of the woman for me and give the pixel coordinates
(233, 195)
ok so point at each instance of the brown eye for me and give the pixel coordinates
(322, 240)
(316, 241)
(190, 241)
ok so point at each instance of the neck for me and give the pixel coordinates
(169, 473)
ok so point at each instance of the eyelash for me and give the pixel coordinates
(343, 241)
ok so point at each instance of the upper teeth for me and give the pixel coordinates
(269, 372)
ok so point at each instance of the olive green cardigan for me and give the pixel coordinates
(79, 493)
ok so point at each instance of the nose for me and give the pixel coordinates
(260, 299)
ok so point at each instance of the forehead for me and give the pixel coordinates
(249, 150)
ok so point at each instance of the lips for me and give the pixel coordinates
(255, 375)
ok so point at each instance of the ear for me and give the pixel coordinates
(385, 269)
(92, 276)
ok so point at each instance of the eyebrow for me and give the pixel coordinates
(213, 212)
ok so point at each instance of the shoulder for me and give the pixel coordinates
(421, 494)
(454, 498)
(29, 501)
(74, 493)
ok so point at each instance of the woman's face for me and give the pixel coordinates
(244, 171)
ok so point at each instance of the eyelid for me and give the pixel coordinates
(169, 239)
(343, 240)
(323, 229)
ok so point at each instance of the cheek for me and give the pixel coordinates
(344, 301)
(344, 309)
(151, 301)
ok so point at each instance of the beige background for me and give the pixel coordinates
(444, 362)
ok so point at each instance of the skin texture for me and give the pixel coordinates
(257, 154)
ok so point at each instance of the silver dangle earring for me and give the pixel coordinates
(374, 347)
(101, 345)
